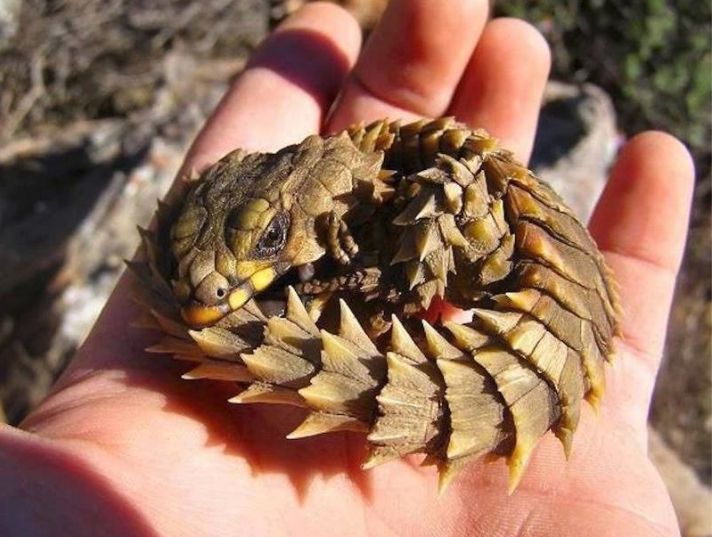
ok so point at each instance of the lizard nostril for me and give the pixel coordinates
(212, 289)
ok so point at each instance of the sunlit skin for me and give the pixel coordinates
(123, 446)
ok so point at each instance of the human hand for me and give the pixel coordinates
(122, 446)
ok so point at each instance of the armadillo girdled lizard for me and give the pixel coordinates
(302, 277)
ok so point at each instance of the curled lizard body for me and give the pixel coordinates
(301, 276)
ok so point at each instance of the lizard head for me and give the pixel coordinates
(252, 218)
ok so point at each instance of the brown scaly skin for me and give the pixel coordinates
(244, 276)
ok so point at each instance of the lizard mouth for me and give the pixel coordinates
(199, 315)
(319, 284)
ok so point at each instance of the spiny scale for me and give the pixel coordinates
(470, 225)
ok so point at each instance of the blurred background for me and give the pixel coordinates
(100, 98)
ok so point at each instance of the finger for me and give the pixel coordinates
(640, 223)
(503, 84)
(412, 62)
(287, 88)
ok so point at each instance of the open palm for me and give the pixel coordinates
(122, 446)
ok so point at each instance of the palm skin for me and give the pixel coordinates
(122, 446)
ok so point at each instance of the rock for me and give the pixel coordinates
(9, 15)
(576, 142)
(691, 499)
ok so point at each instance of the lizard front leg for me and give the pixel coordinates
(340, 242)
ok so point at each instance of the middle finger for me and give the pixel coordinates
(413, 61)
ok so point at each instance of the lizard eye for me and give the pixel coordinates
(274, 236)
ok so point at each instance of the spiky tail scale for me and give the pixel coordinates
(477, 229)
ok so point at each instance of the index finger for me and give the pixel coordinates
(287, 88)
